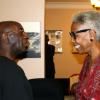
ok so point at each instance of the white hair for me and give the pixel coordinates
(91, 19)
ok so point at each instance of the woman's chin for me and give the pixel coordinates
(81, 51)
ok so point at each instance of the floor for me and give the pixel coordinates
(69, 98)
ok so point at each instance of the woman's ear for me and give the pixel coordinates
(92, 35)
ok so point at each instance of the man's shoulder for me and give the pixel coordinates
(10, 69)
(7, 65)
(6, 62)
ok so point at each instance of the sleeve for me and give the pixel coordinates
(95, 92)
(77, 95)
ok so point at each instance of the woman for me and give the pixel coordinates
(85, 31)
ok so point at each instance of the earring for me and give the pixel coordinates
(91, 40)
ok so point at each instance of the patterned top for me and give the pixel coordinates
(88, 87)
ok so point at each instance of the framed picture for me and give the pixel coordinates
(55, 38)
(33, 30)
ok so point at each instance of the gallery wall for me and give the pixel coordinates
(58, 17)
(27, 11)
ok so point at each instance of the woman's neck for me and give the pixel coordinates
(95, 52)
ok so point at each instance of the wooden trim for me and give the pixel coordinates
(70, 5)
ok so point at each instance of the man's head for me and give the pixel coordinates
(85, 30)
(13, 39)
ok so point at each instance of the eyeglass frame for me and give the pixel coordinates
(73, 34)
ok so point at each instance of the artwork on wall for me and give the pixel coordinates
(55, 38)
(33, 30)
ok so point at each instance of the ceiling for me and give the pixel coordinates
(67, 0)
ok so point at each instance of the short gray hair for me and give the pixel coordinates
(91, 19)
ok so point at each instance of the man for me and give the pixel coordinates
(85, 31)
(13, 82)
(49, 63)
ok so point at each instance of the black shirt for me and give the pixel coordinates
(13, 82)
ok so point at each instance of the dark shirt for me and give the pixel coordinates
(13, 82)
(49, 63)
(89, 81)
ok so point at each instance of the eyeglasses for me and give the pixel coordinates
(73, 34)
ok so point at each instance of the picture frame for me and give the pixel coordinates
(33, 31)
(55, 39)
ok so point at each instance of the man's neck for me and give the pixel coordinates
(7, 54)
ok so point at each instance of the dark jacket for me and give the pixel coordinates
(49, 61)
(13, 82)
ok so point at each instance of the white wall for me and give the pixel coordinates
(22, 11)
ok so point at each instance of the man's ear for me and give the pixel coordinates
(10, 38)
(5, 37)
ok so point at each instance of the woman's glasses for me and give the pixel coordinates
(73, 34)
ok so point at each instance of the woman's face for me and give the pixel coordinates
(81, 37)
